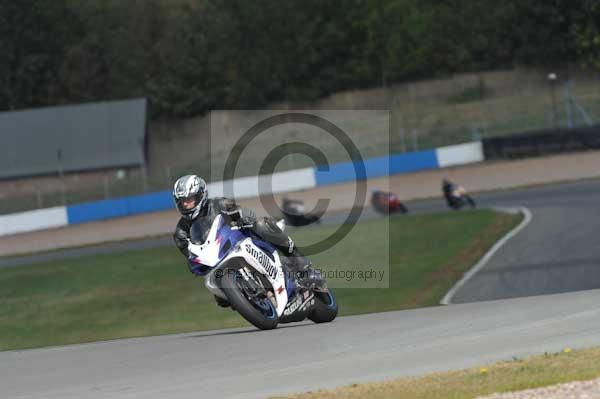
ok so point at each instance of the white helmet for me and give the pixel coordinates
(190, 187)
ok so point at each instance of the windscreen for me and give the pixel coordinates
(200, 229)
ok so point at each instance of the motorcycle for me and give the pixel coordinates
(387, 202)
(294, 213)
(458, 198)
(248, 272)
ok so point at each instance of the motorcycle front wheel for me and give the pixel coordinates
(248, 301)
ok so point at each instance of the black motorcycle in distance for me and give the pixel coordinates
(456, 196)
(295, 214)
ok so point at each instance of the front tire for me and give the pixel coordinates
(261, 314)
(325, 308)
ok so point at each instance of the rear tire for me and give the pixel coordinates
(265, 319)
(325, 308)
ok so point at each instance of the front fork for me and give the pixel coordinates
(210, 282)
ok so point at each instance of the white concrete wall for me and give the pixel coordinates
(253, 186)
(460, 154)
(38, 219)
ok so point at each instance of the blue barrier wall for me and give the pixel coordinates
(377, 167)
(413, 161)
(119, 207)
(336, 173)
(373, 167)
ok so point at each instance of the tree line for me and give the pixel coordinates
(189, 56)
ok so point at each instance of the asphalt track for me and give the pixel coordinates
(557, 252)
(245, 363)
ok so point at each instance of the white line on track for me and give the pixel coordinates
(447, 300)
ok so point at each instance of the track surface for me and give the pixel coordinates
(557, 252)
(244, 363)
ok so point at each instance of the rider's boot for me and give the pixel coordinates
(301, 266)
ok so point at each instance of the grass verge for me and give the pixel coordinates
(515, 375)
(150, 292)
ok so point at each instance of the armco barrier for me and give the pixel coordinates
(245, 187)
(544, 142)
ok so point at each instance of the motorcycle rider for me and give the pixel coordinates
(455, 194)
(386, 202)
(191, 199)
(294, 213)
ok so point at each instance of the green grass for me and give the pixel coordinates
(150, 292)
(534, 372)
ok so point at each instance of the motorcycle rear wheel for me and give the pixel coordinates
(325, 308)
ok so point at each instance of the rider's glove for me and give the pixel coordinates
(246, 222)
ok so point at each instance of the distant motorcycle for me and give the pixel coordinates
(248, 272)
(456, 196)
(387, 202)
(295, 214)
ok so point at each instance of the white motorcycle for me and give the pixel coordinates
(249, 273)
